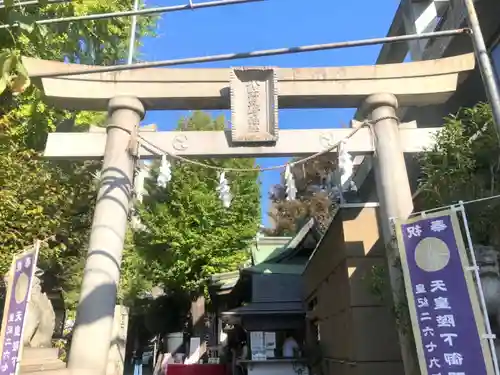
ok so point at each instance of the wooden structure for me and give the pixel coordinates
(271, 302)
(351, 327)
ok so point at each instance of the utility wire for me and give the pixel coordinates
(32, 2)
(246, 55)
(140, 12)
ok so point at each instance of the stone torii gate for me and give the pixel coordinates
(253, 94)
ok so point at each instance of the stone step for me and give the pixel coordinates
(63, 371)
(35, 361)
(45, 366)
(40, 354)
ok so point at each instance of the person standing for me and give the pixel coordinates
(290, 346)
(138, 360)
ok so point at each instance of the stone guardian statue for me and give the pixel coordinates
(489, 273)
(40, 316)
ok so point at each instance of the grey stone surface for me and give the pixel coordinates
(414, 84)
(489, 272)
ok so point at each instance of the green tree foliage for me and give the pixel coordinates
(135, 273)
(464, 164)
(311, 199)
(189, 234)
(100, 42)
(40, 198)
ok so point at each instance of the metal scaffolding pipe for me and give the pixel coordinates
(140, 12)
(133, 31)
(261, 53)
(485, 67)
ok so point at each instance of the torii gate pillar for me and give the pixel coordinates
(394, 194)
(393, 187)
(95, 312)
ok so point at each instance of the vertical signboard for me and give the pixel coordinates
(446, 318)
(19, 285)
(254, 105)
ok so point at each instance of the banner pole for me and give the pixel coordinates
(482, 300)
(36, 249)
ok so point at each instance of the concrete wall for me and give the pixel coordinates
(353, 323)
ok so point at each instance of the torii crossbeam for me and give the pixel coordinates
(217, 144)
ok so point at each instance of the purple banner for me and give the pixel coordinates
(444, 313)
(14, 314)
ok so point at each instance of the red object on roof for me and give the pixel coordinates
(196, 369)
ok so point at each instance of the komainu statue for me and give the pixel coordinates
(40, 319)
(489, 273)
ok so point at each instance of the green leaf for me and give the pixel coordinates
(22, 80)
(24, 21)
(39, 198)
(6, 63)
(464, 165)
(3, 84)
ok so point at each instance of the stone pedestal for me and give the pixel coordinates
(116, 356)
(36, 360)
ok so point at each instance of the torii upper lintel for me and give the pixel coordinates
(414, 84)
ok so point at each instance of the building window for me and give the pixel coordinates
(495, 56)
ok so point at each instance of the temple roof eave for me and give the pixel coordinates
(267, 308)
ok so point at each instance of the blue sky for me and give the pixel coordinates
(265, 25)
